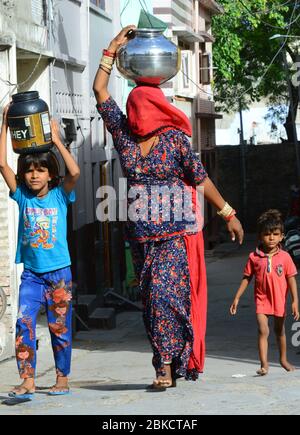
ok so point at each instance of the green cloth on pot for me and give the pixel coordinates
(148, 21)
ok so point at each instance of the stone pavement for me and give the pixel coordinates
(111, 369)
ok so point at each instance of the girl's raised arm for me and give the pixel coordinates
(6, 171)
(103, 73)
(73, 169)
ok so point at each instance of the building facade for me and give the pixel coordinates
(54, 47)
(24, 54)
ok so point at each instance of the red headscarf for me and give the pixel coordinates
(148, 111)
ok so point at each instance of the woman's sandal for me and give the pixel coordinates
(28, 393)
(61, 391)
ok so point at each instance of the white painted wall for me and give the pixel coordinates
(8, 224)
(227, 128)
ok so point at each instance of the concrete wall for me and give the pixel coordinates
(270, 170)
(8, 220)
(63, 76)
(17, 20)
(255, 126)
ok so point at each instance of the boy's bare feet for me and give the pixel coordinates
(263, 371)
(61, 386)
(287, 366)
(27, 387)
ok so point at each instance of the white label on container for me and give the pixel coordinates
(46, 123)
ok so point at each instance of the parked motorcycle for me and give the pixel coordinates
(292, 238)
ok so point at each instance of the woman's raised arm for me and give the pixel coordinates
(103, 73)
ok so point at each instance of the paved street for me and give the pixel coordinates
(111, 369)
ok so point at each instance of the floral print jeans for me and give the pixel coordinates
(53, 290)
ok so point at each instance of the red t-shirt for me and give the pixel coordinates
(271, 285)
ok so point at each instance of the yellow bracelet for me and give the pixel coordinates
(107, 59)
(226, 211)
(105, 65)
(104, 69)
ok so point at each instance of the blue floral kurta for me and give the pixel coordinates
(170, 162)
(158, 246)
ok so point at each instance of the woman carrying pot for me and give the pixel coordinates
(168, 253)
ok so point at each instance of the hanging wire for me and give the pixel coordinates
(122, 12)
(75, 111)
(15, 86)
(238, 97)
(78, 126)
(273, 9)
(146, 6)
(143, 5)
(253, 14)
(277, 54)
(18, 85)
(146, 14)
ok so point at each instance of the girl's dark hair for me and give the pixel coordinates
(270, 221)
(46, 160)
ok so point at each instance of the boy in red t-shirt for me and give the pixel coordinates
(274, 273)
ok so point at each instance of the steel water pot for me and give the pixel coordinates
(149, 58)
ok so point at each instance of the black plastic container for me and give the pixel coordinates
(29, 123)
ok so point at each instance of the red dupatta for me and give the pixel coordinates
(149, 111)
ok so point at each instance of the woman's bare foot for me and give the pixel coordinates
(27, 387)
(165, 381)
(61, 386)
(287, 366)
(263, 371)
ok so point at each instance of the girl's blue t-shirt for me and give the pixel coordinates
(42, 234)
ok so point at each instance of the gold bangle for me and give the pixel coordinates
(103, 69)
(107, 59)
(106, 66)
(226, 211)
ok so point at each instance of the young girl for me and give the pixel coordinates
(274, 273)
(42, 247)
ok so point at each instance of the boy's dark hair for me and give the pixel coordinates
(270, 221)
(47, 160)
